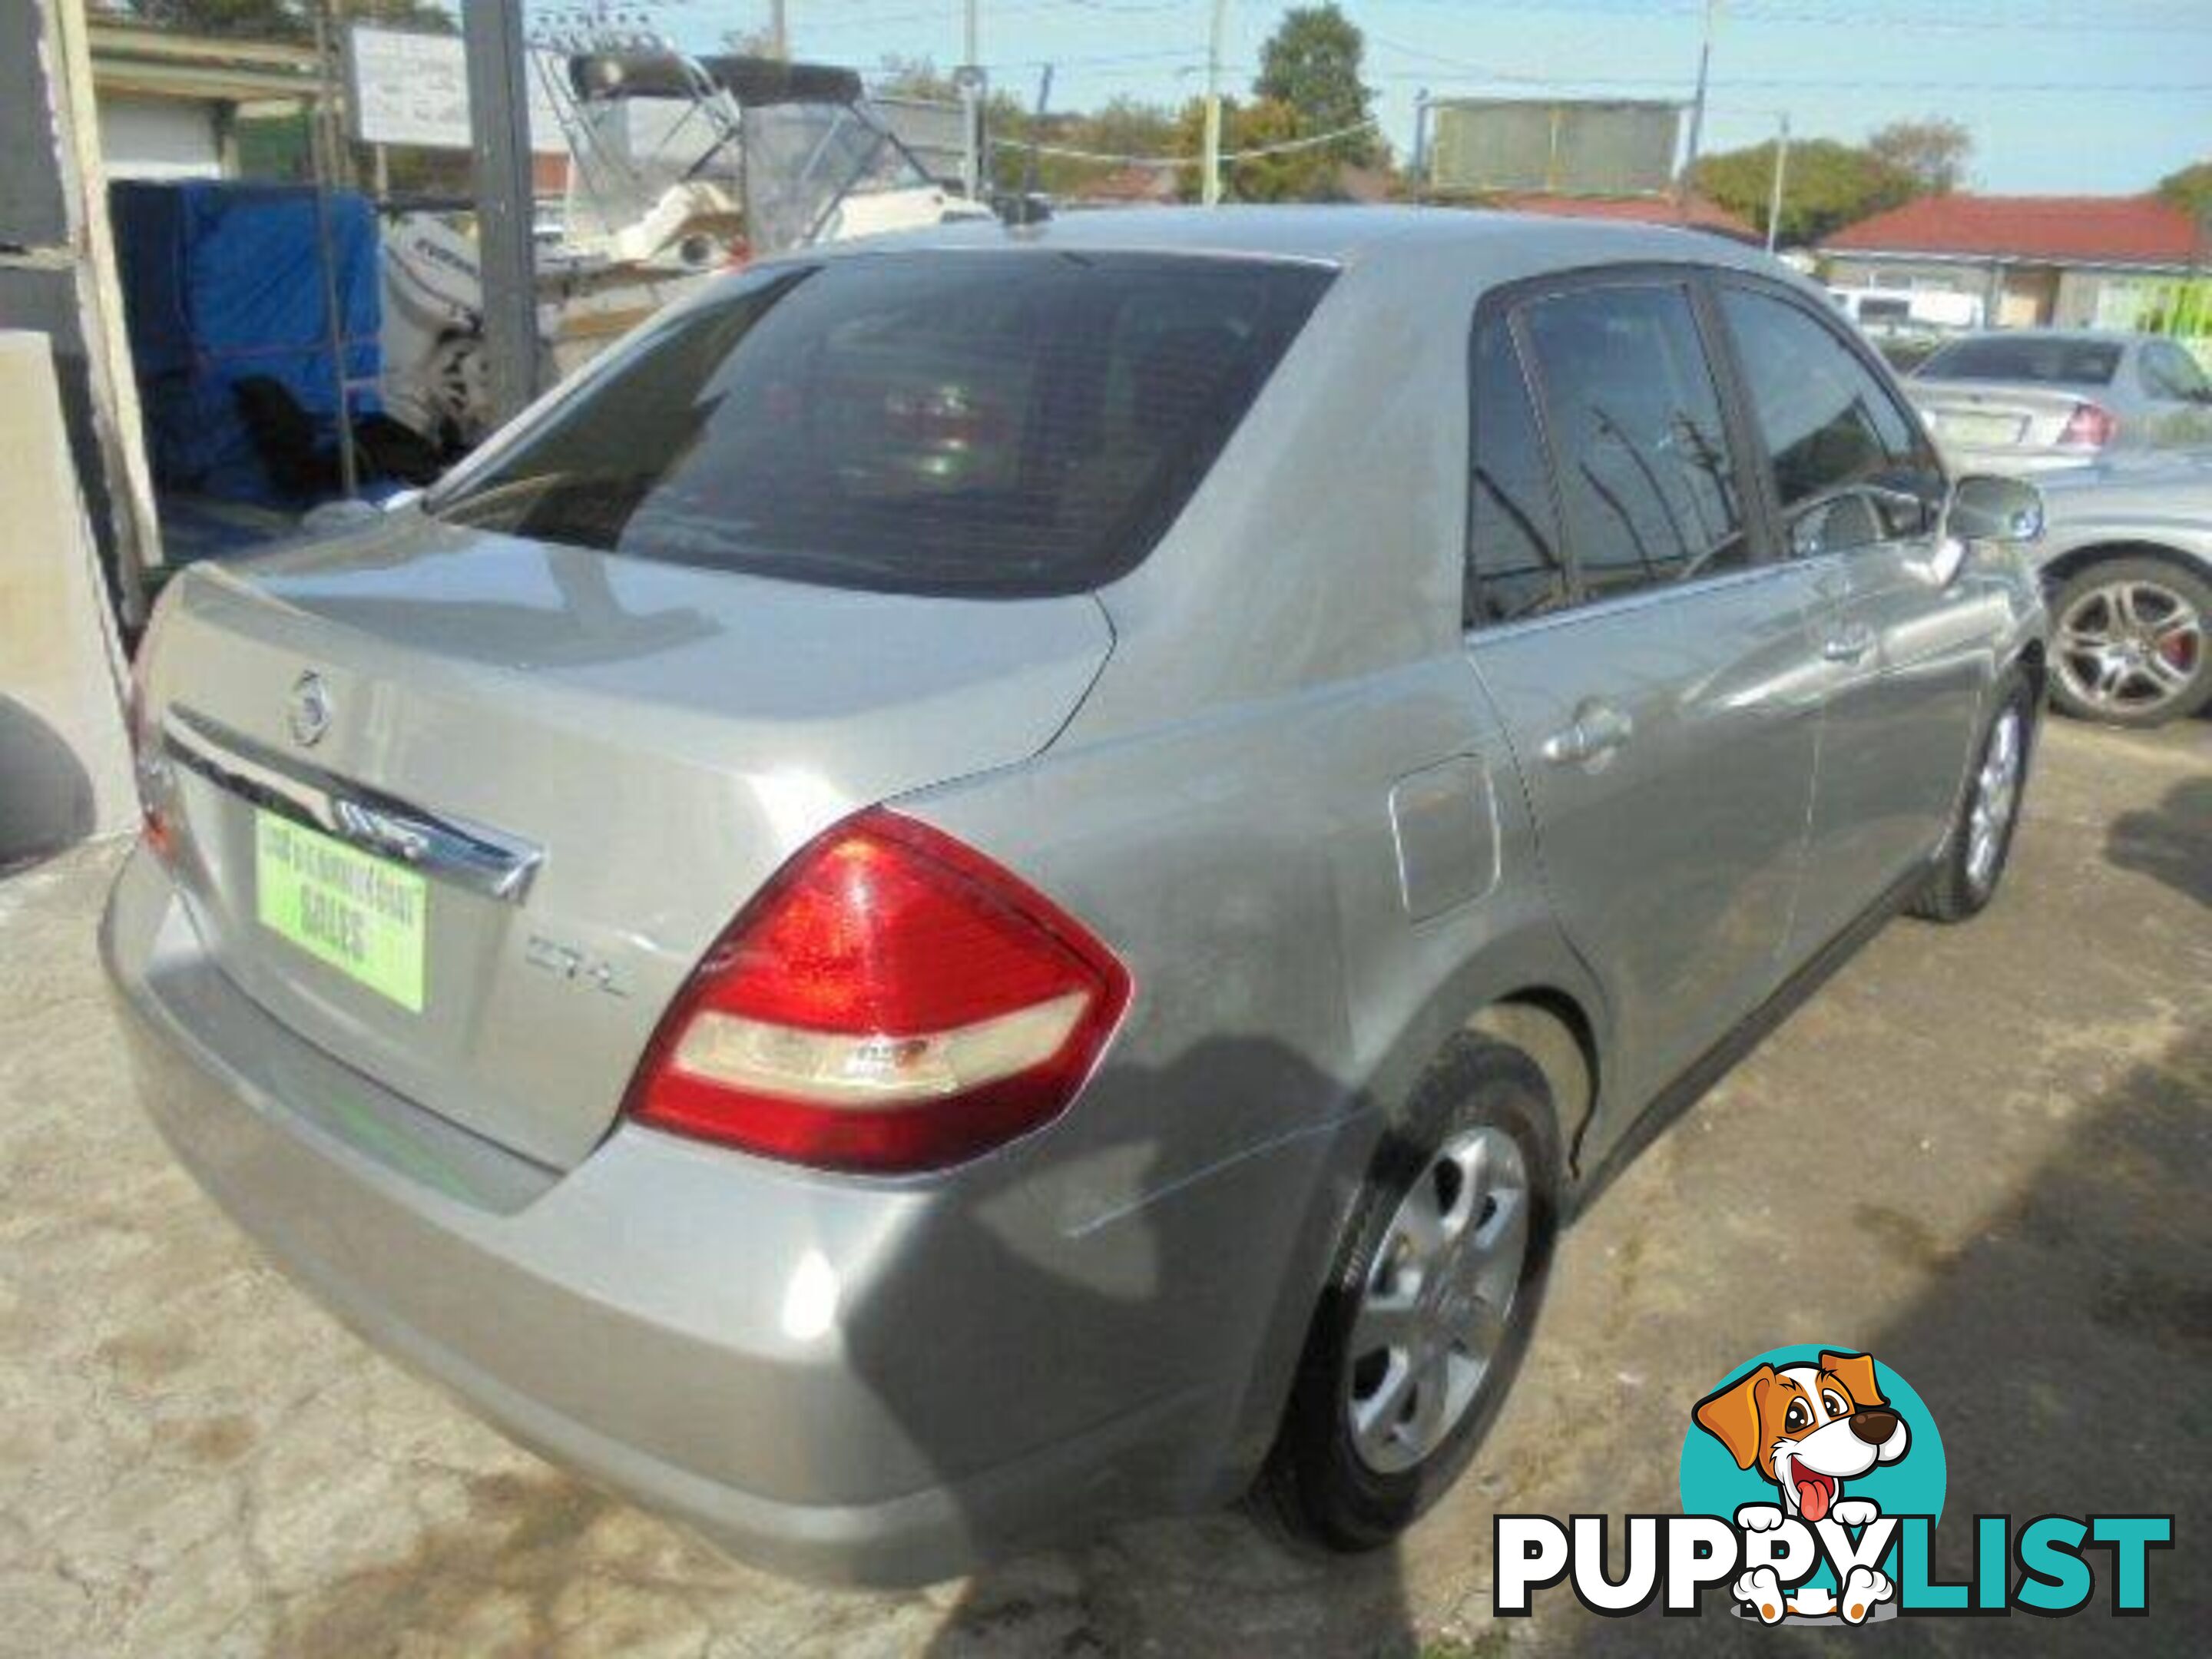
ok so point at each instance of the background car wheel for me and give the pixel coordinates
(2130, 642)
(1426, 1318)
(1974, 856)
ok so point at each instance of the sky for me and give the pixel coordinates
(2062, 96)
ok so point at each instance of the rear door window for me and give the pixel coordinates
(1850, 466)
(1011, 423)
(1515, 566)
(1647, 485)
(2170, 372)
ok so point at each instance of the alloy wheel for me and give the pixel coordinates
(2130, 646)
(1996, 798)
(1437, 1301)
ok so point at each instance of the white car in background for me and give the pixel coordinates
(1916, 310)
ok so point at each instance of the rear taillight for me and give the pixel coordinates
(2090, 426)
(150, 765)
(893, 1000)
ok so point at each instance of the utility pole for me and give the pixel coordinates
(499, 127)
(1421, 145)
(779, 34)
(1210, 182)
(1697, 103)
(1781, 171)
(970, 80)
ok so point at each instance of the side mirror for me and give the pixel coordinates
(1985, 507)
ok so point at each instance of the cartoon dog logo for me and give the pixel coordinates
(1808, 1429)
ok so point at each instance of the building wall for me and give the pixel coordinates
(65, 771)
(2030, 296)
(143, 138)
(1944, 275)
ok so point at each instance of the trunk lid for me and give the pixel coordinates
(1978, 415)
(591, 762)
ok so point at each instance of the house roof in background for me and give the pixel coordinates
(1698, 214)
(2089, 230)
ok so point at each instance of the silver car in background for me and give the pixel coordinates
(2032, 399)
(2126, 560)
(1011, 877)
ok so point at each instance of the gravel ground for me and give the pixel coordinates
(1981, 1154)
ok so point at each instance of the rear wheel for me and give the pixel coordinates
(2129, 644)
(1980, 842)
(1425, 1321)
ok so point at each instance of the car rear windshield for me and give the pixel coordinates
(1999, 357)
(1019, 422)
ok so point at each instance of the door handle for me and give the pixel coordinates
(1597, 731)
(1849, 645)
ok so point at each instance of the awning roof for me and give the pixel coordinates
(133, 58)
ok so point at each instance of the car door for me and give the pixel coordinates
(1654, 671)
(1859, 494)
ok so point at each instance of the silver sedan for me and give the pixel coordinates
(2031, 400)
(1009, 877)
(2126, 559)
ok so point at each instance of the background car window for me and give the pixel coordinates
(996, 423)
(2170, 372)
(1514, 566)
(2058, 362)
(1850, 467)
(1649, 492)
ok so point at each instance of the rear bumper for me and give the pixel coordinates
(841, 1380)
(2012, 462)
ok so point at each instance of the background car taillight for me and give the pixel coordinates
(892, 1000)
(2090, 426)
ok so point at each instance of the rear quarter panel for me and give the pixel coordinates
(1244, 865)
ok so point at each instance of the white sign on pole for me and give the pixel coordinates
(403, 88)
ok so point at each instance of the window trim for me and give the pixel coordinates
(1692, 280)
(1856, 346)
(1517, 347)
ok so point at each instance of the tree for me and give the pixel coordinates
(1311, 67)
(897, 77)
(1829, 184)
(1305, 174)
(1932, 152)
(2190, 189)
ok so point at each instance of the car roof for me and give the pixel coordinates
(1339, 235)
(2119, 336)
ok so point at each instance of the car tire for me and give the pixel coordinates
(1975, 853)
(2113, 604)
(1326, 1483)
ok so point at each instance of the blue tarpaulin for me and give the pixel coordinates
(222, 282)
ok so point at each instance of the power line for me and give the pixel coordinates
(844, 20)
(1314, 142)
(2061, 16)
(1814, 83)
